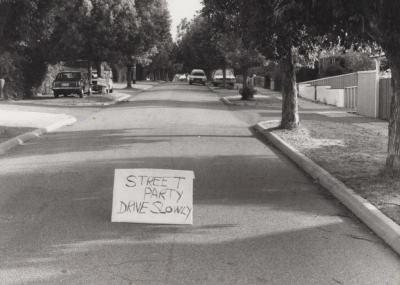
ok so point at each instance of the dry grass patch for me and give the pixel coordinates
(353, 154)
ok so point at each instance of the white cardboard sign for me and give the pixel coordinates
(155, 196)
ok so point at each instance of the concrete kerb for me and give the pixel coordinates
(21, 139)
(209, 87)
(226, 101)
(101, 104)
(118, 100)
(126, 97)
(383, 226)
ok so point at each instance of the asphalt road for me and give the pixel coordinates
(257, 218)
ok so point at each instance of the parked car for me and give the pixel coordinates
(70, 82)
(217, 77)
(197, 76)
(105, 83)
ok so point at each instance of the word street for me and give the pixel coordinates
(133, 181)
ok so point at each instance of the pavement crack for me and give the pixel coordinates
(325, 230)
(131, 261)
(360, 238)
(337, 281)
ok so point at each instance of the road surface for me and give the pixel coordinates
(257, 218)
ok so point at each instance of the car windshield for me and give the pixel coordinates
(69, 76)
(198, 73)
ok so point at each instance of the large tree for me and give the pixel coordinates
(26, 28)
(285, 31)
(289, 30)
(229, 23)
(197, 46)
(372, 21)
(303, 24)
(100, 30)
(48, 31)
(160, 61)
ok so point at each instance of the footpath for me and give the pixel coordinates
(343, 151)
(23, 120)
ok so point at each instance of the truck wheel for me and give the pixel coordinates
(56, 94)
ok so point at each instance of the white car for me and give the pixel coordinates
(197, 76)
(218, 77)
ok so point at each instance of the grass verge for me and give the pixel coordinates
(353, 154)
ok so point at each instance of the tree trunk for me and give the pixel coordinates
(2, 92)
(393, 157)
(290, 111)
(244, 75)
(134, 73)
(90, 77)
(129, 76)
(245, 94)
(224, 75)
(99, 69)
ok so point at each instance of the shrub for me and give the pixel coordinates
(306, 73)
(52, 71)
(11, 71)
(23, 74)
(247, 92)
(334, 69)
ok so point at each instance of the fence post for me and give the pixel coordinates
(315, 93)
(2, 83)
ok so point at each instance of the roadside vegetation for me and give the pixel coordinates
(292, 34)
(38, 34)
(226, 34)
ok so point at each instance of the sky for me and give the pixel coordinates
(180, 9)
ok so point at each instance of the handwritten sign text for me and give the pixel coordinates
(153, 196)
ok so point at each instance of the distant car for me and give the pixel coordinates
(197, 76)
(70, 82)
(217, 77)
